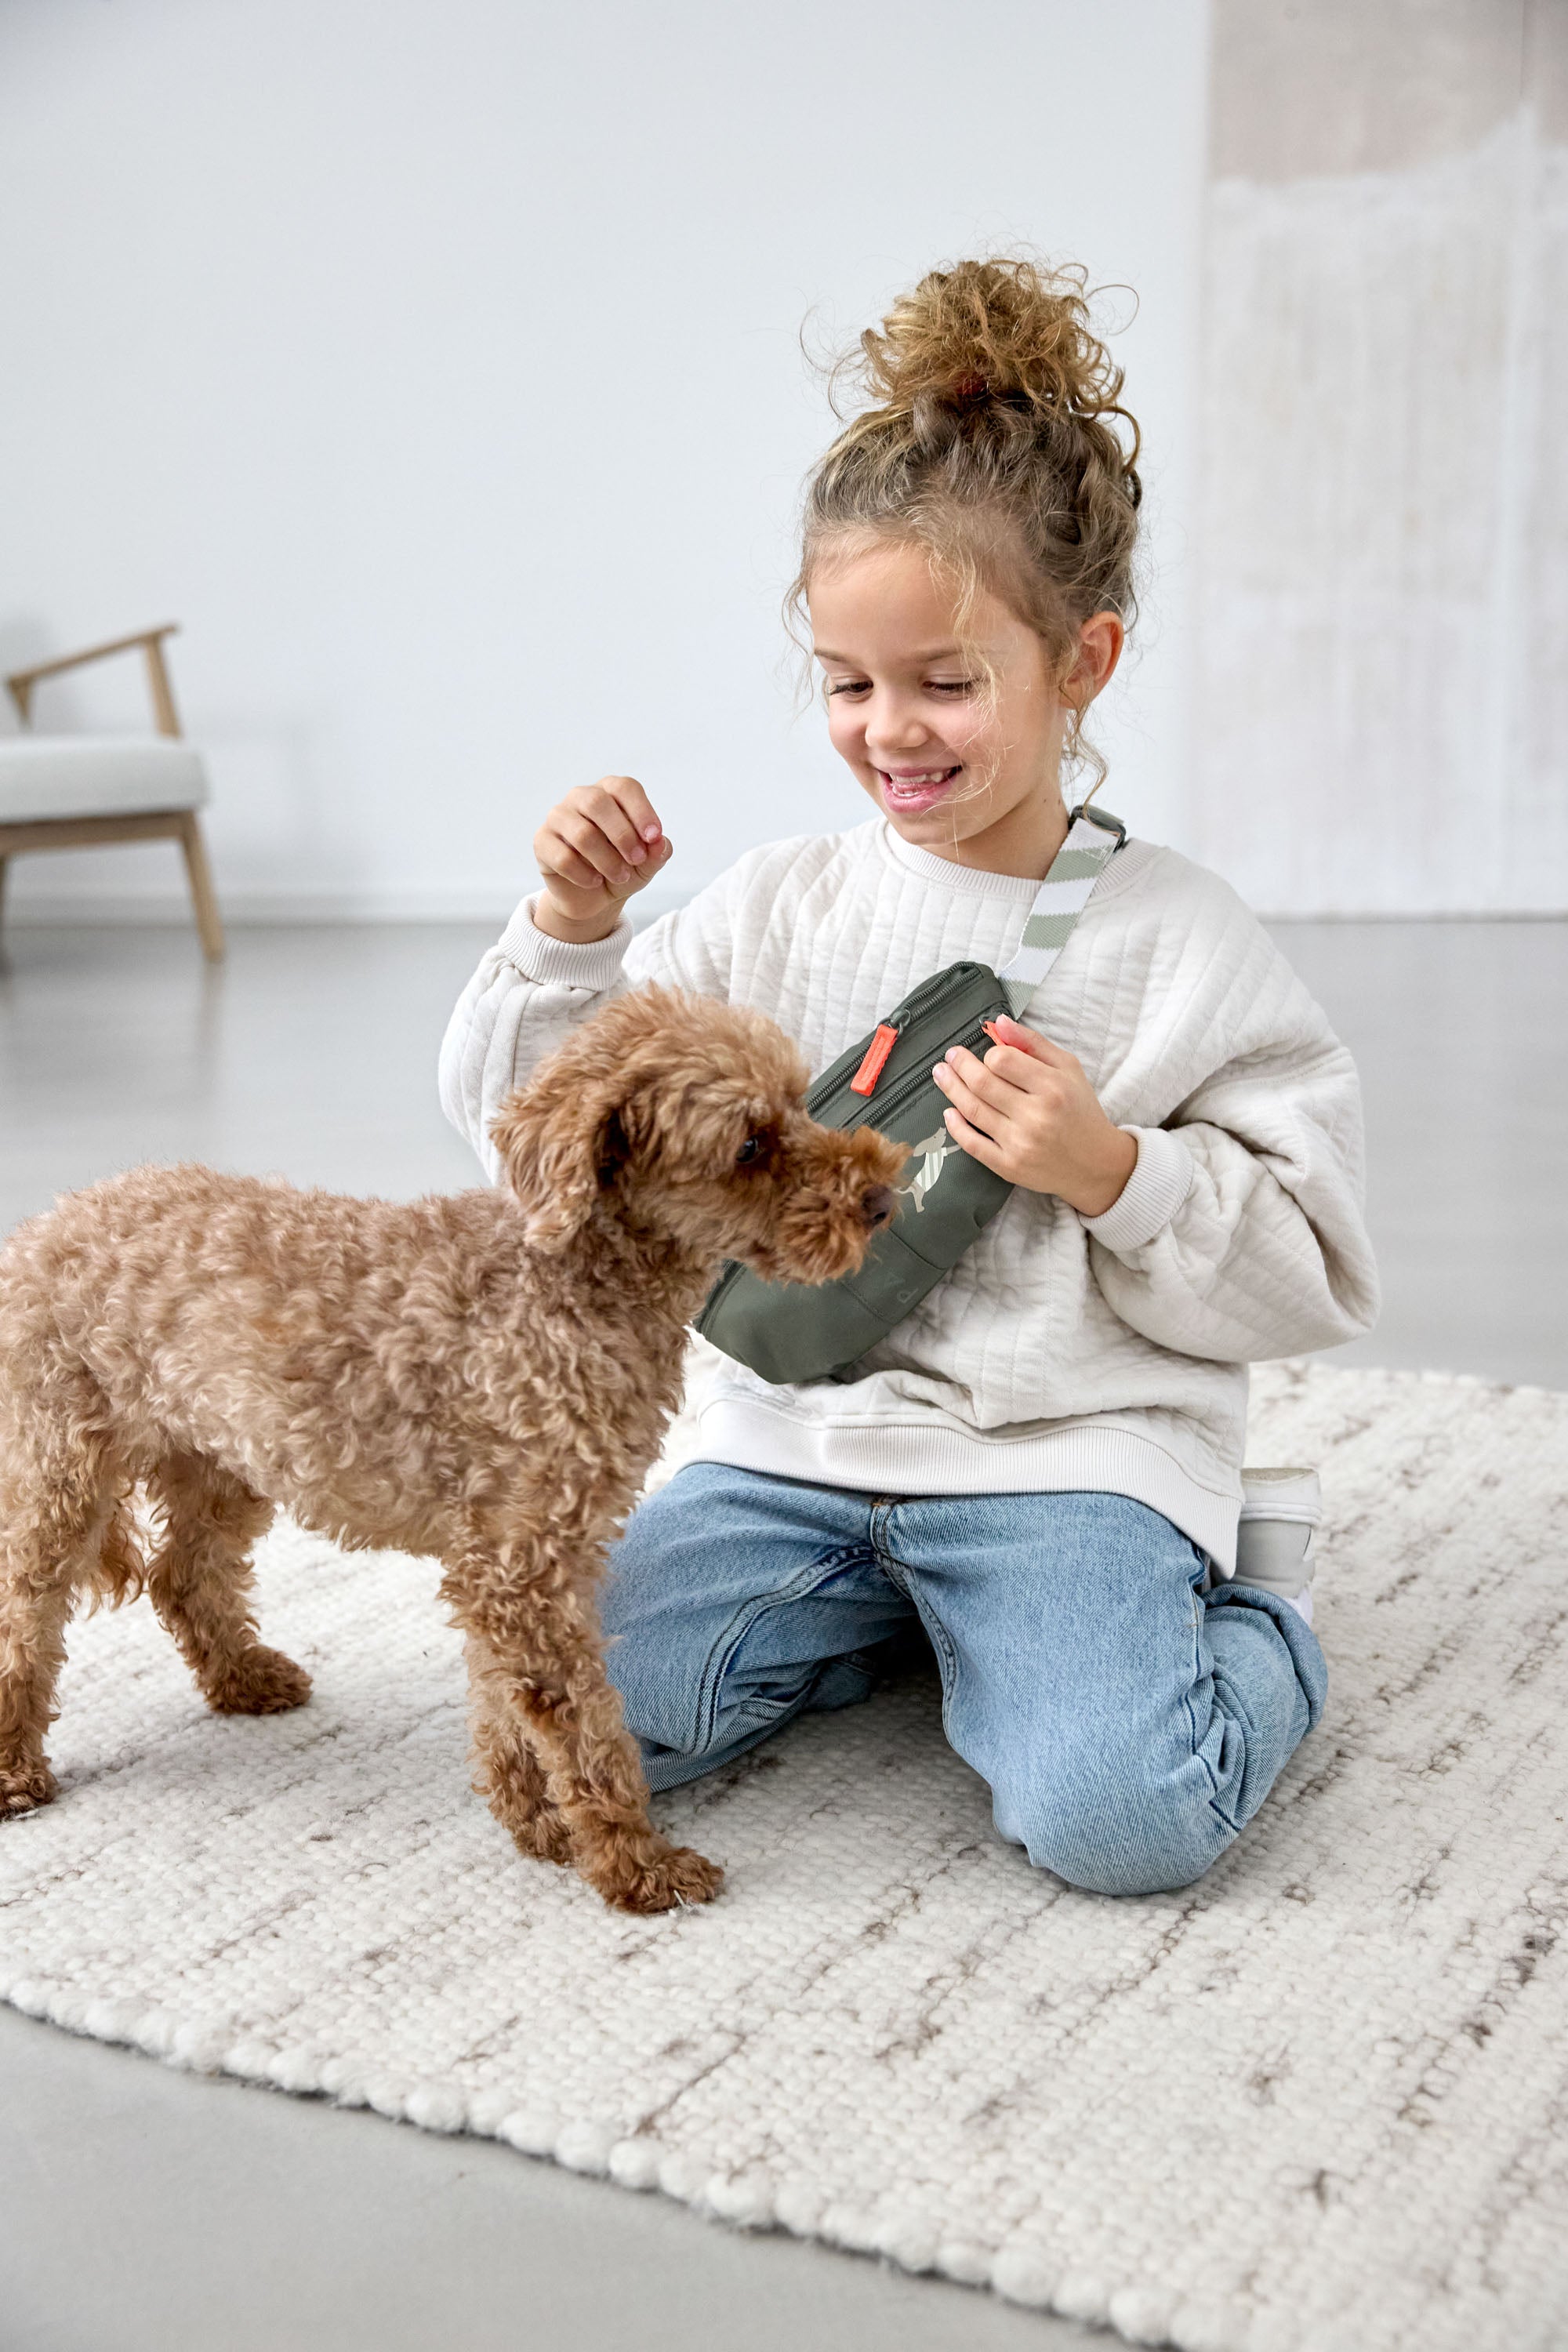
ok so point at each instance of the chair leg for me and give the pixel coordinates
(5, 862)
(204, 898)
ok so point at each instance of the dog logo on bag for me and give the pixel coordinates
(933, 1155)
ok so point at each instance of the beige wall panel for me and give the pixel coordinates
(1545, 71)
(1383, 692)
(1302, 86)
(1542, 685)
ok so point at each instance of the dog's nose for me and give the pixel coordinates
(880, 1205)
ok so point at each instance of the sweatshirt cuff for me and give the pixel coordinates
(590, 964)
(1152, 1195)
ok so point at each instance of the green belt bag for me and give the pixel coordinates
(803, 1332)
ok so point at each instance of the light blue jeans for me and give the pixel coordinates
(1129, 1723)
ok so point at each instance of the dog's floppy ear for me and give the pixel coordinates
(560, 1138)
(563, 1137)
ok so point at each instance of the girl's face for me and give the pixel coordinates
(963, 764)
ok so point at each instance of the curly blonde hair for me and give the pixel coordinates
(995, 438)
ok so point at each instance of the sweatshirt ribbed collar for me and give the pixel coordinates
(971, 882)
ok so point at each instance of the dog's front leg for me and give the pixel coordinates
(507, 1773)
(545, 1695)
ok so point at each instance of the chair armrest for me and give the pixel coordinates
(21, 682)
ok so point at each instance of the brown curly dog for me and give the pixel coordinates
(484, 1378)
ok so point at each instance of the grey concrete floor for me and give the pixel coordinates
(141, 2207)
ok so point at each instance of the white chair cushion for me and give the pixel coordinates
(96, 775)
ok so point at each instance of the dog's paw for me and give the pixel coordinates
(658, 1878)
(262, 1682)
(25, 1786)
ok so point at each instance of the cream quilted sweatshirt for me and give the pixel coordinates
(1061, 1352)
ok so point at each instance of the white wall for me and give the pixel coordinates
(434, 363)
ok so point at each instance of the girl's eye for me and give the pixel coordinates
(749, 1150)
(847, 686)
(951, 684)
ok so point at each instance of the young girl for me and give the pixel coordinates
(1040, 1465)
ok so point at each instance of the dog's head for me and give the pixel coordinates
(685, 1117)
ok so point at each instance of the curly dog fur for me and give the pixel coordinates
(484, 1378)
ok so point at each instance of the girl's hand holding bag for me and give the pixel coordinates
(789, 1331)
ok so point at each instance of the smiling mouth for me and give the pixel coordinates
(915, 789)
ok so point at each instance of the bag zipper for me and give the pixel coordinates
(901, 1020)
(873, 1061)
(910, 1086)
(926, 989)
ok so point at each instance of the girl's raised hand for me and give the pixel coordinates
(596, 849)
(1028, 1112)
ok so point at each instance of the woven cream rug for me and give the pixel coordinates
(1320, 2101)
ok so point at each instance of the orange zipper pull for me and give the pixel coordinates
(877, 1052)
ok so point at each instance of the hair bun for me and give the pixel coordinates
(1006, 333)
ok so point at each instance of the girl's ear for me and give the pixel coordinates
(1099, 644)
(561, 1140)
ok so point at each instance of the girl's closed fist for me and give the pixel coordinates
(596, 847)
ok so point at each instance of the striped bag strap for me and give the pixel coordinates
(1094, 836)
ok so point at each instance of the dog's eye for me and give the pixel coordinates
(749, 1150)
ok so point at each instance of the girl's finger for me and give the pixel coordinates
(581, 833)
(1026, 1073)
(558, 861)
(1009, 1032)
(979, 1113)
(979, 1147)
(601, 807)
(640, 812)
(607, 806)
(987, 1084)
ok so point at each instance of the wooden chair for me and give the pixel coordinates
(73, 792)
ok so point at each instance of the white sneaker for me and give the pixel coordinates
(1280, 1513)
